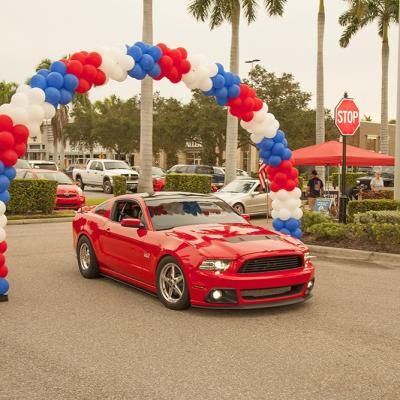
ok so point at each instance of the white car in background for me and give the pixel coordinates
(246, 197)
(42, 164)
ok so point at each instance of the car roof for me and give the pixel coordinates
(41, 162)
(39, 170)
(163, 195)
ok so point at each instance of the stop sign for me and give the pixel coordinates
(347, 117)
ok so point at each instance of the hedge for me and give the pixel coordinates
(194, 183)
(31, 196)
(382, 217)
(351, 178)
(311, 218)
(383, 194)
(119, 185)
(362, 206)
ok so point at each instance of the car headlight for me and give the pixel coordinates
(308, 257)
(215, 265)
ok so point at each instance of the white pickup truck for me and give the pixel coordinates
(100, 173)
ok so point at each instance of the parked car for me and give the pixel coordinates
(191, 249)
(217, 177)
(387, 174)
(158, 175)
(22, 164)
(69, 170)
(100, 173)
(41, 164)
(246, 196)
(68, 196)
(239, 172)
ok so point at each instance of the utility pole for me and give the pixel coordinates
(397, 138)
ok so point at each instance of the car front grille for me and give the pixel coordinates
(268, 264)
(67, 195)
(255, 294)
(131, 178)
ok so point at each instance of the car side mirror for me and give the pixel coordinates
(132, 223)
(246, 217)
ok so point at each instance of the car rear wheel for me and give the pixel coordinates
(88, 266)
(107, 187)
(171, 285)
(79, 182)
(239, 208)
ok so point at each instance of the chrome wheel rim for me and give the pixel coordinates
(172, 282)
(84, 256)
(238, 208)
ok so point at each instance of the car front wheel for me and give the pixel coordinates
(107, 187)
(171, 285)
(87, 261)
(238, 208)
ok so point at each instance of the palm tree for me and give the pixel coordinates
(7, 89)
(359, 14)
(146, 109)
(320, 114)
(218, 11)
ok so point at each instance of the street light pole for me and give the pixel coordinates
(397, 138)
(251, 62)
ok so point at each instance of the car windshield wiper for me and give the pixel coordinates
(166, 228)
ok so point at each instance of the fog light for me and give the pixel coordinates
(310, 285)
(216, 294)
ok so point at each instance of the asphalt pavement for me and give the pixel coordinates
(64, 337)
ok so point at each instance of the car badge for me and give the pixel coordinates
(146, 255)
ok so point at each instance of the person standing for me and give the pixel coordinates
(377, 182)
(314, 189)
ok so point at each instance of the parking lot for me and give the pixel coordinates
(64, 337)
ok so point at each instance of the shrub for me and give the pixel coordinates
(311, 218)
(31, 196)
(194, 183)
(370, 217)
(302, 181)
(336, 231)
(385, 194)
(351, 178)
(362, 206)
(386, 234)
(119, 185)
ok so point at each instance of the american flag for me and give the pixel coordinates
(262, 175)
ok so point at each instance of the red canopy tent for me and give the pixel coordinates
(330, 153)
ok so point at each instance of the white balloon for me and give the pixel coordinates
(284, 214)
(49, 110)
(297, 213)
(2, 235)
(6, 109)
(256, 138)
(2, 208)
(282, 194)
(261, 114)
(196, 60)
(273, 195)
(295, 193)
(292, 203)
(19, 115)
(3, 221)
(24, 88)
(34, 128)
(119, 74)
(20, 100)
(128, 63)
(36, 96)
(275, 214)
(276, 204)
(36, 113)
(212, 69)
(205, 84)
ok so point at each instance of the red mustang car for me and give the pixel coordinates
(191, 249)
(69, 195)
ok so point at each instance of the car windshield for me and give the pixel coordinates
(157, 171)
(51, 166)
(60, 177)
(22, 164)
(175, 212)
(116, 165)
(238, 187)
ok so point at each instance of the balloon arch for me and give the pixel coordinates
(49, 88)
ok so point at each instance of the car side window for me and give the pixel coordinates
(127, 209)
(190, 169)
(93, 165)
(99, 166)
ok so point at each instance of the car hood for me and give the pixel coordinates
(235, 240)
(120, 172)
(229, 197)
(63, 189)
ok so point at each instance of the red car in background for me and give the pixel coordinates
(69, 195)
(191, 249)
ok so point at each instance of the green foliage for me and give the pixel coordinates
(31, 196)
(382, 217)
(362, 206)
(311, 218)
(119, 185)
(7, 89)
(383, 194)
(386, 233)
(193, 183)
(351, 178)
(336, 231)
(302, 181)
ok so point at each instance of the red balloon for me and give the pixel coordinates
(81, 57)
(6, 140)
(21, 133)
(164, 48)
(290, 185)
(20, 149)
(3, 247)
(184, 66)
(244, 90)
(84, 86)
(75, 67)
(165, 63)
(258, 104)
(286, 166)
(248, 104)
(89, 72)
(159, 77)
(274, 187)
(280, 178)
(252, 92)
(176, 56)
(3, 271)
(247, 116)
(9, 157)
(6, 123)
(183, 52)
(235, 111)
(94, 59)
(2, 260)
(174, 75)
(100, 78)
(294, 173)
(63, 60)
(236, 102)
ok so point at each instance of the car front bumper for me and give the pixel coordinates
(70, 203)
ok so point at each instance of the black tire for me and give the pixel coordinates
(107, 186)
(79, 181)
(88, 266)
(181, 302)
(239, 208)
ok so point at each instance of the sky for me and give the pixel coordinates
(35, 29)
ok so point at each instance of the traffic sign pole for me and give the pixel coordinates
(343, 197)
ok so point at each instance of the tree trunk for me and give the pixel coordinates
(146, 109)
(397, 140)
(384, 139)
(232, 122)
(320, 115)
(55, 149)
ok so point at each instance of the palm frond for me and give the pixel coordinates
(250, 10)
(200, 9)
(274, 7)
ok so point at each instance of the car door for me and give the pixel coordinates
(91, 172)
(99, 173)
(257, 200)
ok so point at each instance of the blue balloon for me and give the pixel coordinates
(297, 233)
(223, 92)
(135, 52)
(147, 62)
(278, 224)
(292, 224)
(143, 46)
(53, 96)
(210, 92)
(155, 71)
(71, 82)
(236, 79)
(221, 100)
(4, 286)
(285, 142)
(265, 154)
(9, 172)
(220, 68)
(279, 136)
(58, 66)
(137, 72)
(155, 52)
(43, 72)
(287, 154)
(285, 231)
(38, 81)
(55, 79)
(65, 97)
(267, 144)
(2, 167)
(228, 78)
(5, 196)
(233, 91)
(4, 183)
(218, 81)
(274, 161)
(278, 149)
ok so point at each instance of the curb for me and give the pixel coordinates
(38, 221)
(359, 255)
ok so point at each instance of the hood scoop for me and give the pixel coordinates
(251, 238)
